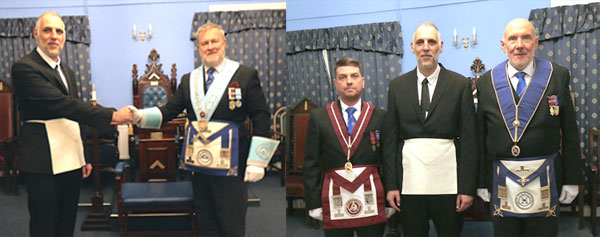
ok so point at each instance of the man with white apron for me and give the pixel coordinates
(429, 141)
(342, 185)
(219, 96)
(50, 149)
(525, 114)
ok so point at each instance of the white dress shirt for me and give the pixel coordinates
(431, 82)
(53, 65)
(514, 80)
(356, 114)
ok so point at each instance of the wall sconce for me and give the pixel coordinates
(465, 41)
(142, 35)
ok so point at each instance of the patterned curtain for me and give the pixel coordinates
(378, 47)
(255, 39)
(16, 40)
(569, 36)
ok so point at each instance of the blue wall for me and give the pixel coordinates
(489, 16)
(113, 51)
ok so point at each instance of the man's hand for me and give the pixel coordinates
(137, 114)
(483, 194)
(86, 170)
(568, 194)
(124, 115)
(316, 213)
(393, 198)
(254, 173)
(463, 202)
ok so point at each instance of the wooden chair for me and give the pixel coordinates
(156, 191)
(593, 178)
(294, 184)
(152, 197)
(156, 147)
(8, 138)
(279, 132)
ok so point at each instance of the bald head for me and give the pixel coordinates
(519, 43)
(519, 24)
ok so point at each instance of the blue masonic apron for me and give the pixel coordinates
(523, 186)
(210, 146)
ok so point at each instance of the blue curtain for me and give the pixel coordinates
(255, 39)
(569, 36)
(16, 40)
(378, 47)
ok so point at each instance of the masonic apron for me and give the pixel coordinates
(523, 186)
(66, 148)
(352, 196)
(429, 166)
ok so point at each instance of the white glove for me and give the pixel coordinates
(137, 114)
(568, 194)
(483, 194)
(316, 213)
(254, 173)
(389, 212)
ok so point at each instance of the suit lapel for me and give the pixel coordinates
(440, 88)
(70, 80)
(53, 75)
(413, 96)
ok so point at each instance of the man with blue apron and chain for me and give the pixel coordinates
(525, 114)
(219, 96)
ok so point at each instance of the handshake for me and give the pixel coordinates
(127, 114)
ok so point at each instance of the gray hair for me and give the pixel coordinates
(38, 23)
(208, 26)
(428, 24)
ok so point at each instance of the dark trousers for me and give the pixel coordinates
(52, 202)
(418, 209)
(533, 226)
(221, 203)
(367, 231)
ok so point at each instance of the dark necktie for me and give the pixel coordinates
(211, 77)
(351, 119)
(522, 84)
(425, 97)
(61, 79)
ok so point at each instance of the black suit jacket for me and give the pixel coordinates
(324, 152)
(254, 105)
(41, 95)
(542, 136)
(452, 116)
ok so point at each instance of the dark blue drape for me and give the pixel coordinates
(16, 40)
(378, 47)
(255, 39)
(569, 36)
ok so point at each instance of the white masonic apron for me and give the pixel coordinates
(429, 166)
(66, 148)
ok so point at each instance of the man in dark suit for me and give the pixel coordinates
(429, 142)
(50, 148)
(522, 130)
(343, 144)
(220, 201)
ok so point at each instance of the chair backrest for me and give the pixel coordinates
(594, 145)
(279, 123)
(7, 112)
(153, 88)
(299, 117)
